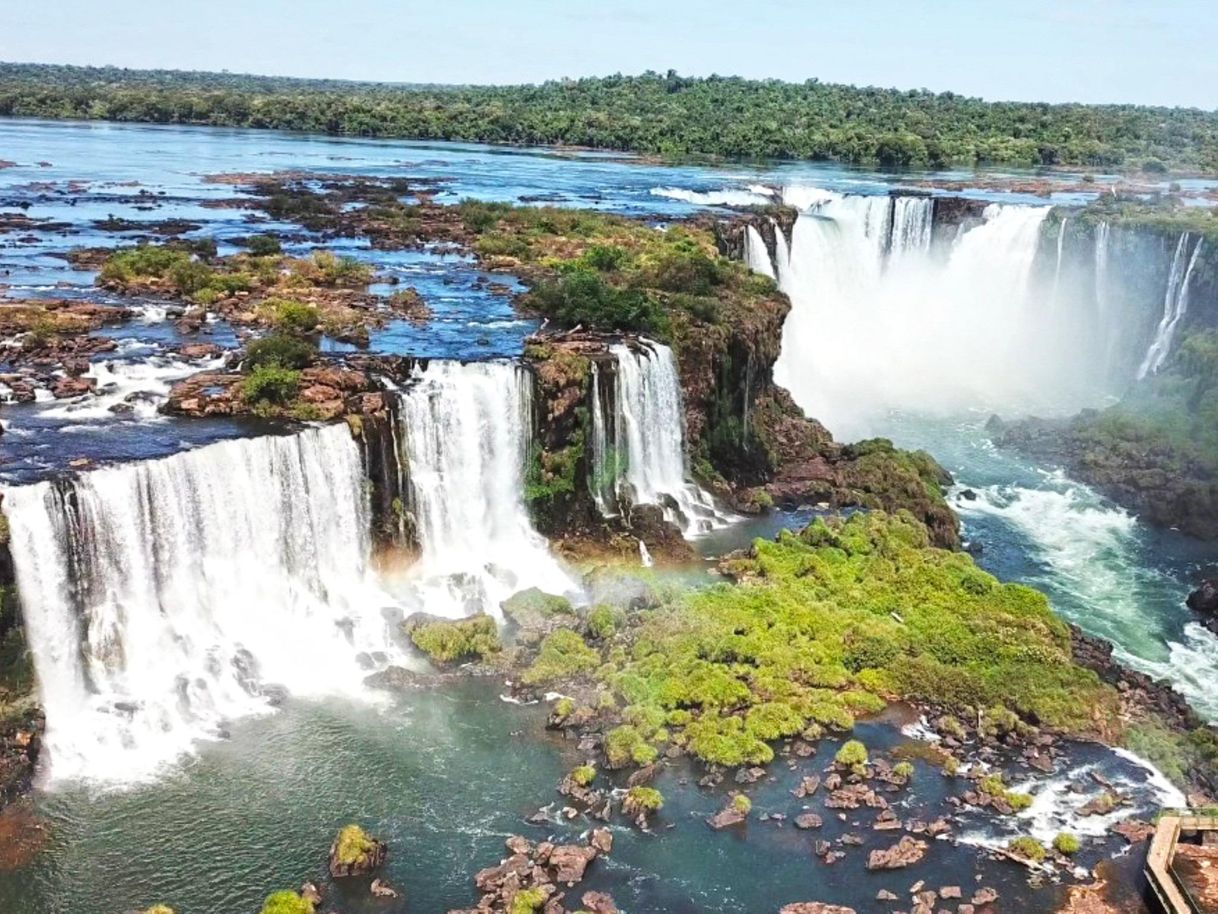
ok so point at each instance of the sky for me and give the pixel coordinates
(1139, 51)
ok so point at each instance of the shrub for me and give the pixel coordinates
(903, 770)
(563, 655)
(647, 799)
(724, 741)
(526, 901)
(1027, 848)
(583, 775)
(447, 641)
(1066, 844)
(292, 316)
(331, 270)
(286, 903)
(742, 804)
(270, 384)
(850, 754)
(602, 622)
(280, 350)
(581, 296)
(190, 276)
(263, 245)
(624, 745)
(144, 261)
(352, 844)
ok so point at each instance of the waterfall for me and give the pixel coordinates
(1175, 305)
(644, 451)
(912, 226)
(466, 431)
(756, 254)
(864, 337)
(163, 598)
(1057, 266)
(1101, 264)
(605, 462)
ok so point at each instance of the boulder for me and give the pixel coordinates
(808, 820)
(355, 853)
(1204, 602)
(814, 907)
(570, 861)
(598, 903)
(905, 852)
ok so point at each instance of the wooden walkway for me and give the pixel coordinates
(1169, 891)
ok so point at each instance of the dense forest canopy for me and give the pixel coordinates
(666, 115)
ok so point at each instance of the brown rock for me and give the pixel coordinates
(602, 840)
(599, 903)
(814, 907)
(808, 820)
(905, 852)
(569, 862)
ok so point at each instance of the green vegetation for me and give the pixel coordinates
(286, 903)
(280, 350)
(851, 754)
(994, 786)
(1028, 848)
(1177, 755)
(263, 245)
(563, 655)
(448, 641)
(583, 775)
(647, 799)
(1169, 215)
(1066, 844)
(903, 770)
(270, 385)
(664, 114)
(607, 272)
(826, 624)
(526, 901)
(292, 316)
(742, 804)
(532, 608)
(352, 845)
(602, 622)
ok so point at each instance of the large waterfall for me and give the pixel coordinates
(638, 448)
(882, 319)
(163, 598)
(466, 437)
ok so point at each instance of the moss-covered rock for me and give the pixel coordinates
(355, 852)
(533, 608)
(448, 641)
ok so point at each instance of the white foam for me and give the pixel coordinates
(725, 197)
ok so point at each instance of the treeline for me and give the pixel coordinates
(666, 115)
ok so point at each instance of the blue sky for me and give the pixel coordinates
(1054, 50)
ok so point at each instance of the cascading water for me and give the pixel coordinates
(162, 598)
(912, 229)
(756, 255)
(644, 452)
(878, 323)
(466, 431)
(1175, 304)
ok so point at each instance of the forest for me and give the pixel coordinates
(665, 115)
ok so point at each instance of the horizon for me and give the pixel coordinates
(1122, 52)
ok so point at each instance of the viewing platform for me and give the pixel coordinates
(1182, 864)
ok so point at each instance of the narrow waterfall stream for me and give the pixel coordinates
(640, 453)
(466, 429)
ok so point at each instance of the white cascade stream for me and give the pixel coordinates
(465, 429)
(648, 448)
(1175, 304)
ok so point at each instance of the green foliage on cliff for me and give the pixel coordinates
(1169, 215)
(450, 640)
(607, 272)
(279, 350)
(664, 114)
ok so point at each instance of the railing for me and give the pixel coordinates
(1169, 890)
